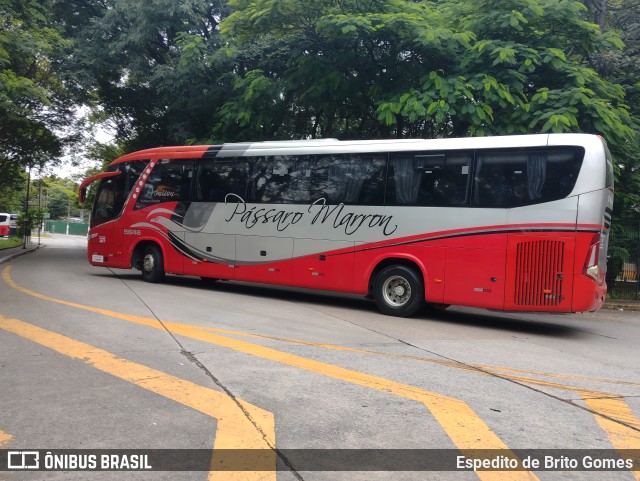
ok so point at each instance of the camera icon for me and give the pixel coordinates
(23, 460)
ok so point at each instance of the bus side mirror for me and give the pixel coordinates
(82, 191)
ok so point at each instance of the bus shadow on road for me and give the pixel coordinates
(517, 323)
(504, 321)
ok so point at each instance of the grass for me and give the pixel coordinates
(10, 242)
(624, 293)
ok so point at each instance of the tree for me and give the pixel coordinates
(598, 9)
(34, 107)
(622, 67)
(166, 72)
(11, 191)
(409, 68)
(153, 67)
(335, 68)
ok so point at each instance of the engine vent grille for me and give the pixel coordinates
(539, 273)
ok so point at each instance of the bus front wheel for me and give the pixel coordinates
(398, 291)
(152, 264)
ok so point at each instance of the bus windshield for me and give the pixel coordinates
(114, 191)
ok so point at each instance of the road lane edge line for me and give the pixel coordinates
(463, 426)
(233, 429)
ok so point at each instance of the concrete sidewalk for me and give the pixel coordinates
(622, 305)
(7, 254)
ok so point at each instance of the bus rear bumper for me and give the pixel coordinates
(588, 296)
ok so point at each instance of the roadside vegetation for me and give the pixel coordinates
(167, 72)
(7, 243)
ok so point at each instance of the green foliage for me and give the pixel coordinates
(10, 242)
(34, 106)
(419, 69)
(408, 68)
(153, 67)
(331, 63)
(163, 72)
(60, 196)
(623, 68)
(12, 188)
(33, 220)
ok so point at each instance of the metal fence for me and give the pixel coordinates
(624, 259)
(71, 228)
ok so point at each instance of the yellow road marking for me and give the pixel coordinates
(4, 438)
(460, 422)
(599, 380)
(621, 437)
(233, 431)
(478, 368)
(610, 406)
(6, 275)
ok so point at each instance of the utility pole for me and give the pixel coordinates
(39, 203)
(26, 211)
(68, 213)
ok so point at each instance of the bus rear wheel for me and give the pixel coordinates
(152, 264)
(398, 291)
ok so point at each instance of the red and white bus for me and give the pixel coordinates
(5, 222)
(516, 223)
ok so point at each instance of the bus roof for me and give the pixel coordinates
(333, 146)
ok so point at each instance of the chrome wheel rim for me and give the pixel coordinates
(396, 291)
(148, 263)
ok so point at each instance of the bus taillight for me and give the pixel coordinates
(591, 267)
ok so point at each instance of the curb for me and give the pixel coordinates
(14, 255)
(622, 306)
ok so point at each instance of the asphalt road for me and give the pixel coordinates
(95, 359)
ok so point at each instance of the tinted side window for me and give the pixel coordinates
(562, 169)
(349, 178)
(428, 179)
(169, 181)
(281, 179)
(517, 178)
(219, 177)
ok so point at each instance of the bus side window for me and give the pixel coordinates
(562, 168)
(448, 184)
(349, 179)
(281, 179)
(517, 178)
(220, 177)
(169, 181)
(372, 192)
(429, 179)
(501, 179)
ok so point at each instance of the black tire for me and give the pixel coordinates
(152, 264)
(398, 291)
